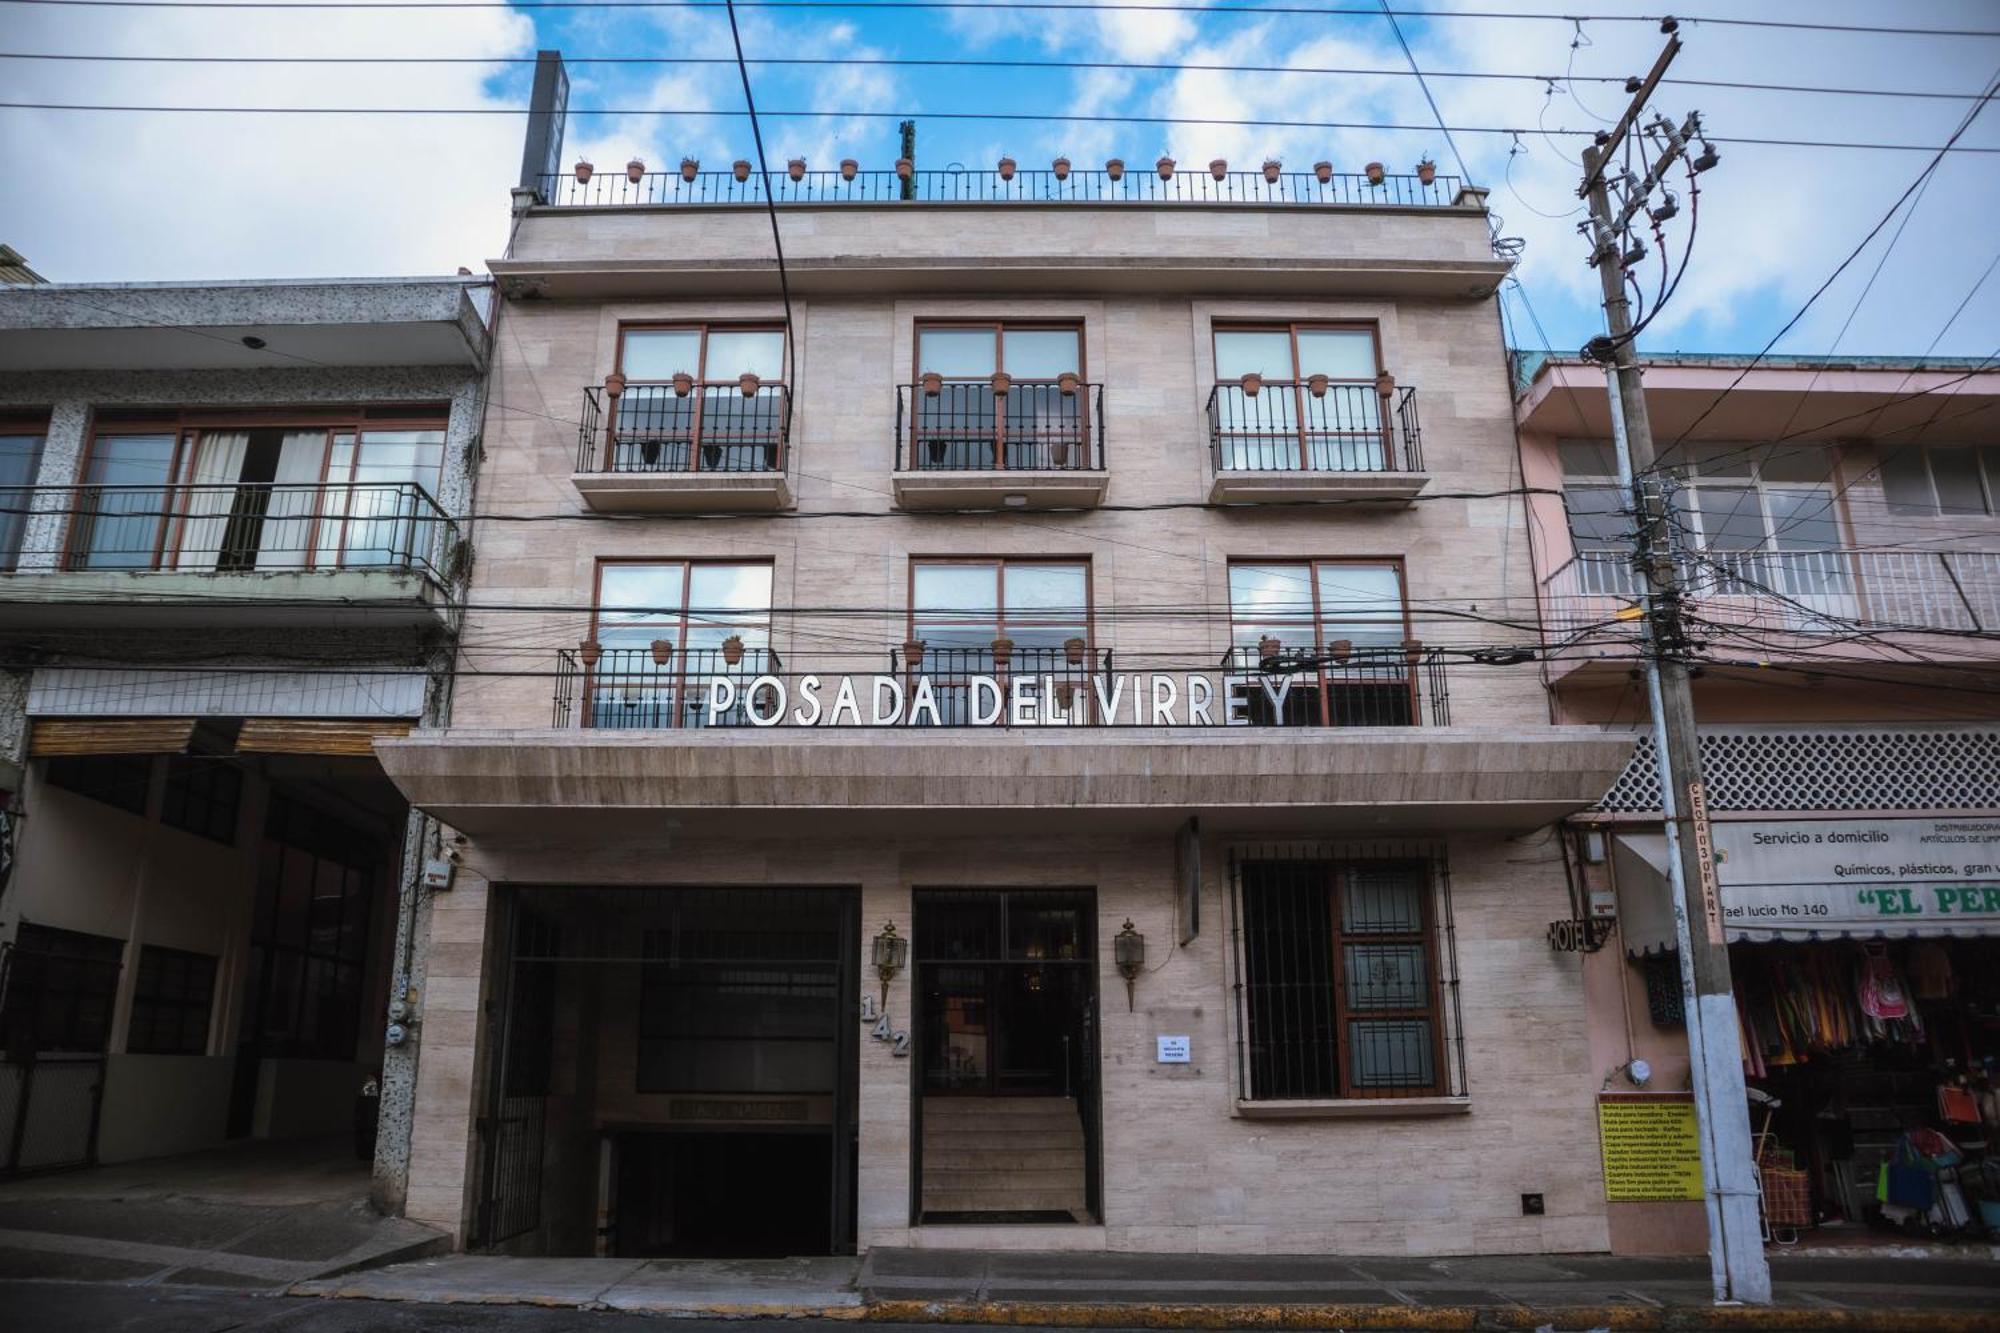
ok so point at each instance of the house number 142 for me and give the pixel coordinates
(880, 1029)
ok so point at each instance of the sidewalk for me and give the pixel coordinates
(1853, 1291)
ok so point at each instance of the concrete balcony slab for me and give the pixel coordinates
(1000, 489)
(684, 492)
(1262, 487)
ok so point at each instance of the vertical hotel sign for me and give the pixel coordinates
(1704, 847)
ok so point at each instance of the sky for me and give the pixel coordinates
(146, 196)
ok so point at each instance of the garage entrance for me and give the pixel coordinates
(674, 1074)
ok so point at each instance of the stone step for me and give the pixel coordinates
(1001, 1160)
(995, 1108)
(986, 1201)
(1003, 1183)
(1019, 1141)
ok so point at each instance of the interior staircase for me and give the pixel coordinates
(988, 1156)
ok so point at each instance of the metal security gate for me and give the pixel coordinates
(56, 990)
(511, 1134)
(48, 1112)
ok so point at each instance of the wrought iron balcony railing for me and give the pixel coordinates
(1308, 426)
(1802, 591)
(1135, 185)
(234, 529)
(976, 426)
(710, 428)
(635, 688)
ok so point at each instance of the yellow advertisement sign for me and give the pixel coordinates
(1651, 1148)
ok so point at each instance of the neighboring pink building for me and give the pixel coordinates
(1838, 523)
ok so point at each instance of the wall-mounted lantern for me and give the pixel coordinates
(891, 952)
(1129, 951)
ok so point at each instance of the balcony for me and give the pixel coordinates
(239, 554)
(1805, 599)
(999, 443)
(1309, 440)
(663, 448)
(616, 189)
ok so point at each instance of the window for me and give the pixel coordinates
(684, 409)
(1340, 977)
(171, 999)
(202, 797)
(967, 418)
(986, 617)
(309, 933)
(694, 609)
(1941, 480)
(1312, 406)
(20, 457)
(121, 780)
(1345, 618)
(60, 988)
(119, 521)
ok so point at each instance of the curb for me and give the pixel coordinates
(1431, 1318)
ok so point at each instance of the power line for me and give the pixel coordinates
(918, 62)
(1011, 116)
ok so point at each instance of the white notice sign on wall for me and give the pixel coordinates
(1174, 1051)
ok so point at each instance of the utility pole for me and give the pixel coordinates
(908, 129)
(1729, 1171)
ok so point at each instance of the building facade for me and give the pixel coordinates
(1046, 596)
(1837, 525)
(232, 551)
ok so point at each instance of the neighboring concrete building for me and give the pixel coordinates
(232, 544)
(982, 625)
(1839, 530)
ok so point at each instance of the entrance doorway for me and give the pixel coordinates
(674, 1074)
(1007, 1088)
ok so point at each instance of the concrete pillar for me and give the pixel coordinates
(62, 461)
(443, 1159)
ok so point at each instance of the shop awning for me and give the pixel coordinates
(145, 735)
(1766, 914)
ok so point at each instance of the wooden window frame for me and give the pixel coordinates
(1000, 328)
(1312, 565)
(1000, 618)
(702, 329)
(675, 676)
(1339, 877)
(1295, 385)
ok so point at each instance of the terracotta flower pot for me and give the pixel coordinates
(1067, 384)
(1427, 171)
(1061, 168)
(1323, 172)
(1219, 168)
(1007, 166)
(905, 168)
(913, 653)
(1073, 650)
(614, 384)
(1385, 384)
(1165, 166)
(1316, 385)
(689, 168)
(1115, 168)
(635, 171)
(1413, 651)
(740, 169)
(683, 384)
(1003, 651)
(589, 651)
(1269, 646)
(1375, 173)
(933, 384)
(1271, 169)
(796, 168)
(663, 651)
(732, 650)
(583, 171)
(1340, 650)
(848, 166)
(749, 384)
(1253, 384)
(1002, 382)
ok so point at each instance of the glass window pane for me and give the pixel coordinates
(1906, 482)
(961, 591)
(1390, 1053)
(1238, 352)
(1596, 518)
(730, 588)
(657, 354)
(1991, 455)
(1045, 590)
(1732, 517)
(1341, 354)
(1361, 602)
(1385, 976)
(1956, 471)
(1803, 520)
(130, 460)
(1808, 463)
(1724, 460)
(1266, 592)
(654, 587)
(18, 457)
(1588, 458)
(760, 353)
(1042, 354)
(966, 353)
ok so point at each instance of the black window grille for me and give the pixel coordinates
(1346, 975)
(120, 780)
(309, 933)
(60, 987)
(171, 1000)
(203, 797)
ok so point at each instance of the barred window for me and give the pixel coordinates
(171, 999)
(1344, 976)
(120, 780)
(203, 796)
(60, 989)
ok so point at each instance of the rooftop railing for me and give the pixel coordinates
(236, 529)
(658, 428)
(1043, 186)
(1313, 426)
(976, 426)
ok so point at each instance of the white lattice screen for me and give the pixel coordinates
(1953, 767)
